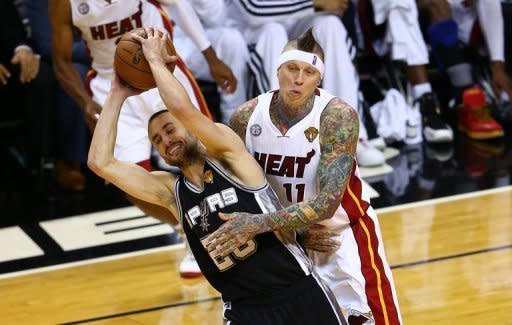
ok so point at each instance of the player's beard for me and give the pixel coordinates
(191, 153)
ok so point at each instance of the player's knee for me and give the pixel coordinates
(231, 40)
(329, 25)
(231, 48)
(274, 31)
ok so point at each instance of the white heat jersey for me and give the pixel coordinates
(102, 22)
(291, 161)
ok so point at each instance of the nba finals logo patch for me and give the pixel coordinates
(208, 177)
(311, 133)
(256, 130)
(83, 8)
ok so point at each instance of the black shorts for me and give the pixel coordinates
(307, 302)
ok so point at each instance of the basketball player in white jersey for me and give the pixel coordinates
(101, 23)
(268, 25)
(305, 139)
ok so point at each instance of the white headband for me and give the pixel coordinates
(303, 56)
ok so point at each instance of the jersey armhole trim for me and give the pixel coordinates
(177, 199)
(229, 178)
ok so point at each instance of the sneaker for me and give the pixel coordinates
(378, 143)
(435, 128)
(188, 266)
(367, 155)
(474, 116)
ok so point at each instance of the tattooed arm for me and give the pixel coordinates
(339, 129)
(241, 116)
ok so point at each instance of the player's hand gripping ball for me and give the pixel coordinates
(131, 65)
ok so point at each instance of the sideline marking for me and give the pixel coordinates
(103, 227)
(16, 244)
(94, 260)
(443, 199)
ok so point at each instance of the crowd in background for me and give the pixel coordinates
(415, 70)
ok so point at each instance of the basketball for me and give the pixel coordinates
(130, 63)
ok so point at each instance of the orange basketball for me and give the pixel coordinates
(131, 65)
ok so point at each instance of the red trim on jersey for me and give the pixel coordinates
(91, 74)
(165, 17)
(146, 164)
(203, 107)
(351, 201)
(378, 287)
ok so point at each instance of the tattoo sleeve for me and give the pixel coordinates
(339, 131)
(241, 116)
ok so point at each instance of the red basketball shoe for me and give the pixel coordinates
(474, 116)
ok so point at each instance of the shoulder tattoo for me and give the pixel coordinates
(241, 116)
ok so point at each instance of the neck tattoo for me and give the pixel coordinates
(286, 116)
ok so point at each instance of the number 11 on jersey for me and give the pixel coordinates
(299, 189)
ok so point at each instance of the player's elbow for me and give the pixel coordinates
(93, 164)
(96, 163)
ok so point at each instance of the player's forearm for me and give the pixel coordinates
(210, 55)
(172, 92)
(71, 81)
(101, 152)
(333, 181)
(211, 12)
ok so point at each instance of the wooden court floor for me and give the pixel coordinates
(451, 260)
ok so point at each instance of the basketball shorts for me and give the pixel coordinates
(358, 273)
(308, 302)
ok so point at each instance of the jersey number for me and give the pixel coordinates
(241, 253)
(300, 192)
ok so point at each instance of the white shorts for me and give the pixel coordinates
(132, 142)
(358, 274)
